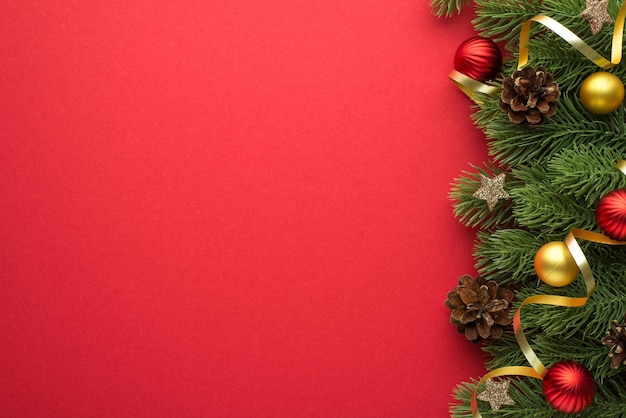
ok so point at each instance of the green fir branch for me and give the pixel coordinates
(501, 20)
(587, 172)
(556, 174)
(448, 7)
(505, 255)
(516, 145)
(592, 319)
(540, 207)
(474, 212)
(504, 352)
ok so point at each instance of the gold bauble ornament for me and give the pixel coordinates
(602, 93)
(555, 265)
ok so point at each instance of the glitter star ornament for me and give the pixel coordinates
(497, 394)
(491, 190)
(596, 14)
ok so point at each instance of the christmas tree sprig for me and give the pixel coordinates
(556, 173)
(448, 7)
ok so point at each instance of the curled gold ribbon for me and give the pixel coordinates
(565, 301)
(470, 87)
(572, 39)
(621, 164)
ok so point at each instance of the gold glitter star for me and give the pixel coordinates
(596, 14)
(497, 394)
(491, 190)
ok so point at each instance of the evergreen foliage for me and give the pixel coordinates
(555, 174)
(448, 7)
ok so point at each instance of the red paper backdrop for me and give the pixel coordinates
(230, 208)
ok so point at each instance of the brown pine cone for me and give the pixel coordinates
(529, 95)
(480, 308)
(616, 340)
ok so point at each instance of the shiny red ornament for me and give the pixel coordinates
(569, 387)
(478, 58)
(611, 215)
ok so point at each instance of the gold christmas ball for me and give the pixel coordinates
(555, 265)
(602, 93)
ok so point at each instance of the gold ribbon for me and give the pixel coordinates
(470, 86)
(572, 39)
(621, 164)
(565, 301)
(538, 369)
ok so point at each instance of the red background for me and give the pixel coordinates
(230, 208)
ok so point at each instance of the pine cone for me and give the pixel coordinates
(616, 340)
(480, 308)
(529, 95)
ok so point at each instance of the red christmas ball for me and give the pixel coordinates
(569, 387)
(611, 215)
(478, 58)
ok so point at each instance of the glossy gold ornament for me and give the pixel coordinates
(602, 93)
(555, 265)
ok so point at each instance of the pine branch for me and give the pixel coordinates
(541, 207)
(516, 145)
(504, 352)
(586, 172)
(501, 20)
(506, 255)
(473, 212)
(556, 174)
(448, 7)
(592, 319)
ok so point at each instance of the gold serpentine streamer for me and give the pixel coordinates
(538, 370)
(572, 39)
(470, 86)
(621, 165)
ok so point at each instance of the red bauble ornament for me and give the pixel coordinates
(611, 215)
(569, 387)
(478, 58)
